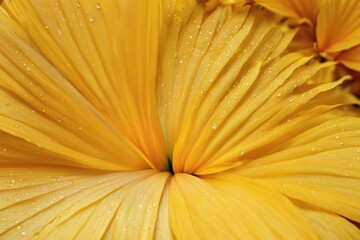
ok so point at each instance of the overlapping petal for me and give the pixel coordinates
(70, 203)
(338, 25)
(259, 141)
(237, 207)
(44, 118)
(300, 10)
(228, 88)
(91, 51)
(350, 58)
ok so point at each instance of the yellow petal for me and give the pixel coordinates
(68, 203)
(338, 25)
(231, 207)
(304, 41)
(91, 49)
(215, 66)
(45, 119)
(330, 226)
(301, 10)
(350, 58)
(336, 194)
(319, 166)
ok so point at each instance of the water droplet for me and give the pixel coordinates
(315, 149)
(214, 125)
(279, 95)
(59, 32)
(91, 19)
(23, 233)
(98, 6)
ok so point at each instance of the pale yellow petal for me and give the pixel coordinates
(338, 25)
(68, 203)
(231, 207)
(87, 41)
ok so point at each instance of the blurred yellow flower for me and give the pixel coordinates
(160, 120)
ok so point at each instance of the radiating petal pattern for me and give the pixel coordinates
(43, 118)
(55, 203)
(93, 53)
(228, 86)
(177, 119)
(319, 166)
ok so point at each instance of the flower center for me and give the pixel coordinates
(169, 167)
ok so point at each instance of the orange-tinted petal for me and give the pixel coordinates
(338, 25)
(300, 10)
(350, 58)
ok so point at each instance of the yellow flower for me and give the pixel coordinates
(328, 28)
(152, 119)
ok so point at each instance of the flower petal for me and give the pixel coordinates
(231, 207)
(319, 166)
(338, 25)
(224, 99)
(87, 41)
(301, 10)
(45, 119)
(68, 203)
(330, 226)
(216, 64)
(350, 58)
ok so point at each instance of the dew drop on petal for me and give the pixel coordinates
(91, 19)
